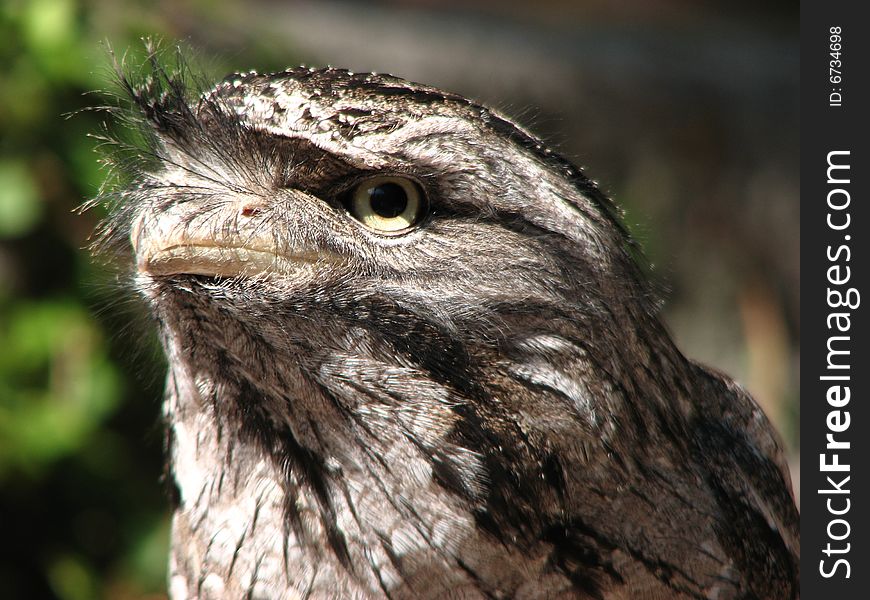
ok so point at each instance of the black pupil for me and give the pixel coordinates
(389, 200)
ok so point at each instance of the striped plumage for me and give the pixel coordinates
(485, 405)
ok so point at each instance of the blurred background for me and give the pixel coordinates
(686, 111)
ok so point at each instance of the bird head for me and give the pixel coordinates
(326, 212)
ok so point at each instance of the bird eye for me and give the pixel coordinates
(387, 204)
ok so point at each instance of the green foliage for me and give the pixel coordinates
(20, 204)
(82, 512)
(57, 383)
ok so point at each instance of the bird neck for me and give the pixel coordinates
(259, 504)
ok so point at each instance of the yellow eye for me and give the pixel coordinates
(387, 204)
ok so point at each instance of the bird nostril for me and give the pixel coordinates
(251, 211)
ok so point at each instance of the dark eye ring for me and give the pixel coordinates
(387, 204)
